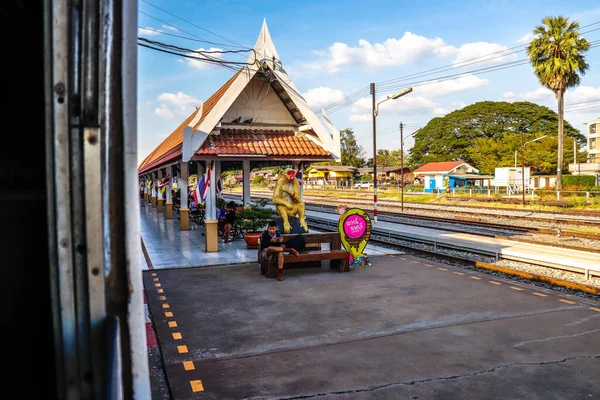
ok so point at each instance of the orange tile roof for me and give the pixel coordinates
(170, 148)
(261, 142)
(438, 166)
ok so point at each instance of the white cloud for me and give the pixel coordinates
(443, 88)
(171, 28)
(440, 111)
(148, 32)
(509, 97)
(537, 95)
(483, 53)
(546, 96)
(202, 64)
(392, 52)
(410, 48)
(362, 109)
(175, 105)
(322, 96)
(581, 94)
(528, 37)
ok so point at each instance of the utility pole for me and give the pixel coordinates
(374, 156)
(522, 168)
(402, 165)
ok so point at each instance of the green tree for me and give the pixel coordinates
(352, 153)
(557, 56)
(455, 136)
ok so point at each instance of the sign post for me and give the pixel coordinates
(355, 229)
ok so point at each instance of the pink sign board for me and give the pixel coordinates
(355, 226)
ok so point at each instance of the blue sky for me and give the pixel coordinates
(332, 49)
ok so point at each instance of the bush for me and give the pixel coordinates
(259, 180)
(584, 181)
(393, 181)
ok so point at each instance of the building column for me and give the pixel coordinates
(169, 203)
(246, 182)
(159, 197)
(149, 189)
(217, 177)
(210, 221)
(184, 211)
(145, 181)
(154, 189)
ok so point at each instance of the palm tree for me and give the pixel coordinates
(556, 54)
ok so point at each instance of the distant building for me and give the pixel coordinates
(338, 175)
(459, 174)
(592, 166)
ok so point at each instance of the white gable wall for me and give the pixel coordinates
(259, 102)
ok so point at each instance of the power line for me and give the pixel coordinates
(193, 24)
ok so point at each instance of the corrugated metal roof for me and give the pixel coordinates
(438, 166)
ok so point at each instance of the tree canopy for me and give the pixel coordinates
(487, 133)
(353, 154)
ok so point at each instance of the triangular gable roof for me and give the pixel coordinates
(170, 148)
(189, 137)
(441, 167)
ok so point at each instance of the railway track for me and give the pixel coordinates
(553, 220)
(467, 261)
(481, 227)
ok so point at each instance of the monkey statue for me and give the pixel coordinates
(287, 201)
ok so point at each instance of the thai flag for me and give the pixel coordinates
(299, 176)
(163, 184)
(202, 188)
(219, 188)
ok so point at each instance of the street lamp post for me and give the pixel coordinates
(523, 164)
(375, 112)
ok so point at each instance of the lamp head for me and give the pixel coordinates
(400, 94)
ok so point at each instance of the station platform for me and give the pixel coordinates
(166, 246)
(404, 328)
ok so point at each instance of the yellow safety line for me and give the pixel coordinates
(595, 309)
(567, 301)
(177, 336)
(172, 324)
(495, 283)
(457, 273)
(188, 365)
(182, 349)
(197, 386)
(539, 294)
(162, 297)
(515, 288)
(168, 314)
(475, 277)
(442, 269)
(160, 290)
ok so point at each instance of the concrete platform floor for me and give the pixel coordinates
(405, 328)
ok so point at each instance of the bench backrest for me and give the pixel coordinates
(333, 238)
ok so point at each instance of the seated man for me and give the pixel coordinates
(226, 220)
(271, 246)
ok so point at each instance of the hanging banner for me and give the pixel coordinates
(355, 229)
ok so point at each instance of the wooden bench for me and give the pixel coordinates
(312, 256)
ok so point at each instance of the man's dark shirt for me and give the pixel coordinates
(229, 218)
(265, 240)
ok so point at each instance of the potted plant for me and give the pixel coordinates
(253, 219)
